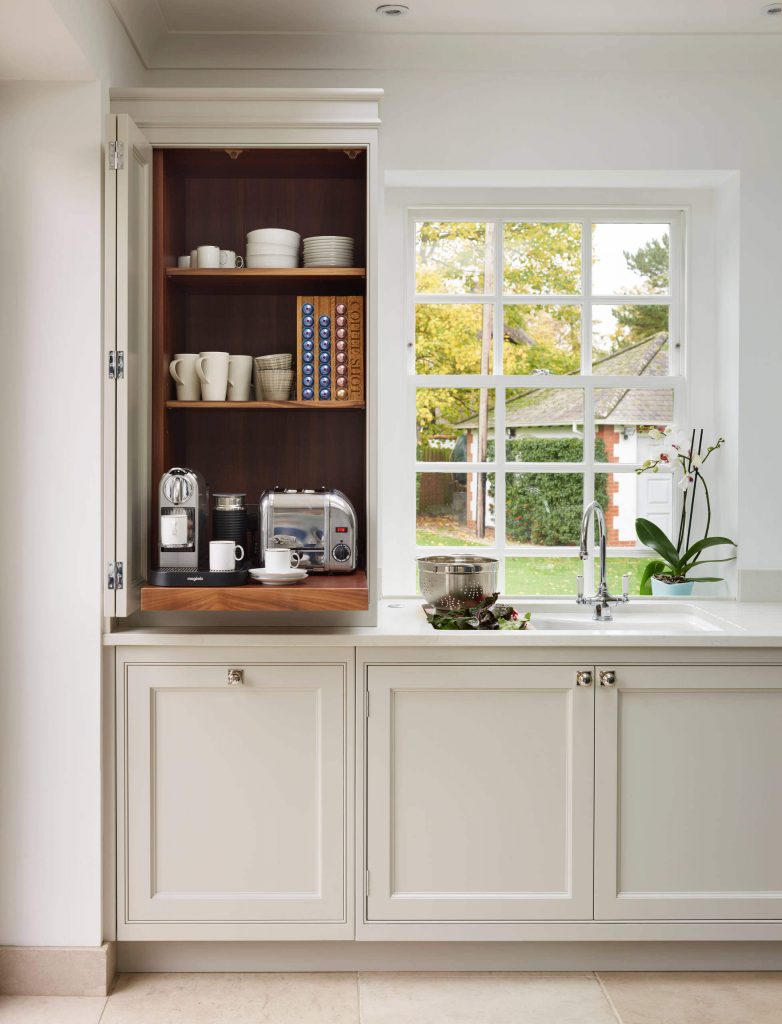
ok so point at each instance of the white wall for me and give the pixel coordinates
(50, 515)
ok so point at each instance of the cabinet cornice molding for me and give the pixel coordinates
(157, 111)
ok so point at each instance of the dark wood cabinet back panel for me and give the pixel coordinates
(203, 197)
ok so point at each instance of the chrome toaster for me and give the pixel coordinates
(320, 526)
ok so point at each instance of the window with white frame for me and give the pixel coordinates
(545, 344)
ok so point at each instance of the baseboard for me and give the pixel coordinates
(136, 957)
(57, 970)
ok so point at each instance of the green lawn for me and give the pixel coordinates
(543, 576)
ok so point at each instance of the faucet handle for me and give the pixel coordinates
(579, 588)
(626, 586)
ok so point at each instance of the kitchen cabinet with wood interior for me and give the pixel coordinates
(182, 182)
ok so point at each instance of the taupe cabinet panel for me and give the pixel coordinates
(688, 794)
(235, 799)
(479, 793)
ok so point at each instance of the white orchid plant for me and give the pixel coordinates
(677, 452)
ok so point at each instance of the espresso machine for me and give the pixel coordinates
(183, 542)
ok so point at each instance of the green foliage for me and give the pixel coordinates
(673, 565)
(484, 615)
(634, 323)
(546, 508)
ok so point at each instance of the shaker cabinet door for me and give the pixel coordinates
(127, 346)
(234, 801)
(479, 794)
(688, 793)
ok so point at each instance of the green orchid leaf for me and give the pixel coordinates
(707, 542)
(651, 536)
(704, 579)
(706, 561)
(651, 569)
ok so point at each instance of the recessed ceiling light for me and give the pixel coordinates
(392, 10)
(773, 8)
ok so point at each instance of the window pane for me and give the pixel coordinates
(544, 509)
(544, 425)
(540, 576)
(453, 338)
(622, 416)
(630, 340)
(453, 258)
(628, 496)
(448, 424)
(542, 338)
(618, 565)
(542, 259)
(450, 507)
(630, 259)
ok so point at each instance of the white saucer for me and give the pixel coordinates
(287, 576)
(281, 583)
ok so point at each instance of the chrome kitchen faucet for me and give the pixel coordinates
(602, 599)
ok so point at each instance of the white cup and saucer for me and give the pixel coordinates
(280, 568)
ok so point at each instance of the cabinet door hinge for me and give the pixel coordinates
(116, 156)
(116, 365)
(116, 576)
(366, 883)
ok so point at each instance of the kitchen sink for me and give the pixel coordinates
(646, 621)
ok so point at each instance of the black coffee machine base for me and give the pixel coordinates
(182, 577)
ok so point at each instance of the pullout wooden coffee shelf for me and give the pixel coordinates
(348, 593)
(265, 405)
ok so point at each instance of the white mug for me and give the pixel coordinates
(183, 262)
(280, 559)
(224, 554)
(208, 256)
(229, 260)
(194, 259)
(212, 370)
(173, 530)
(183, 373)
(240, 370)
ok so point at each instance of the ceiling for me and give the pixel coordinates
(212, 30)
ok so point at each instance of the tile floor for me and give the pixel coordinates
(479, 998)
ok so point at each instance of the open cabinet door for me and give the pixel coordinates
(128, 316)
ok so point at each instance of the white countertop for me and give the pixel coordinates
(641, 623)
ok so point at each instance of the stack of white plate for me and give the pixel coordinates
(272, 248)
(328, 251)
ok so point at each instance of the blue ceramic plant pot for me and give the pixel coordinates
(660, 589)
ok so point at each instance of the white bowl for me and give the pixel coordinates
(278, 235)
(271, 249)
(271, 262)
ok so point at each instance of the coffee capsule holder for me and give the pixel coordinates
(330, 349)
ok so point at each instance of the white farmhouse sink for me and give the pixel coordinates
(647, 620)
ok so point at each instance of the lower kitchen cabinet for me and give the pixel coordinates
(688, 793)
(234, 784)
(479, 793)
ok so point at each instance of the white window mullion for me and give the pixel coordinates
(499, 402)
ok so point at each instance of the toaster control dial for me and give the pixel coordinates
(341, 552)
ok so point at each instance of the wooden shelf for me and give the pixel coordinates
(273, 280)
(297, 404)
(346, 593)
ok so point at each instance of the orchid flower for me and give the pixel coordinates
(686, 480)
